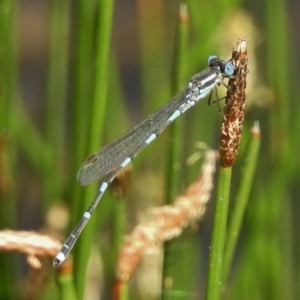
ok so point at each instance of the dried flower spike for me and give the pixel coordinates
(28, 242)
(232, 125)
(168, 220)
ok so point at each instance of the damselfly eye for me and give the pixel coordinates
(229, 69)
(210, 59)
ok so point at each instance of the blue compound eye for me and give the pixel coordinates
(211, 58)
(229, 69)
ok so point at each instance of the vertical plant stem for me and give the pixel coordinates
(81, 82)
(214, 282)
(171, 269)
(56, 90)
(278, 74)
(81, 95)
(179, 75)
(241, 200)
(103, 38)
(281, 143)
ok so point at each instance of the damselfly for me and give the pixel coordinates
(111, 159)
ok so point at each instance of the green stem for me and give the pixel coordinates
(214, 282)
(171, 270)
(84, 28)
(241, 201)
(178, 80)
(103, 37)
(56, 89)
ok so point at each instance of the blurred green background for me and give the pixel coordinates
(77, 74)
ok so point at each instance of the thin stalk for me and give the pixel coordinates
(264, 257)
(214, 282)
(178, 82)
(56, 100)
(278, 76)
(82, 74)
(81, 95)
(281, 143)
(103, 38)
(241, 200)
(171, 270)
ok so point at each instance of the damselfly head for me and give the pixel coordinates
(214, 61)
(226, 68)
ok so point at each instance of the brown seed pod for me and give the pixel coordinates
(233, 118)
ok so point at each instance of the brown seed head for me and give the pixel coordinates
(232, 125)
